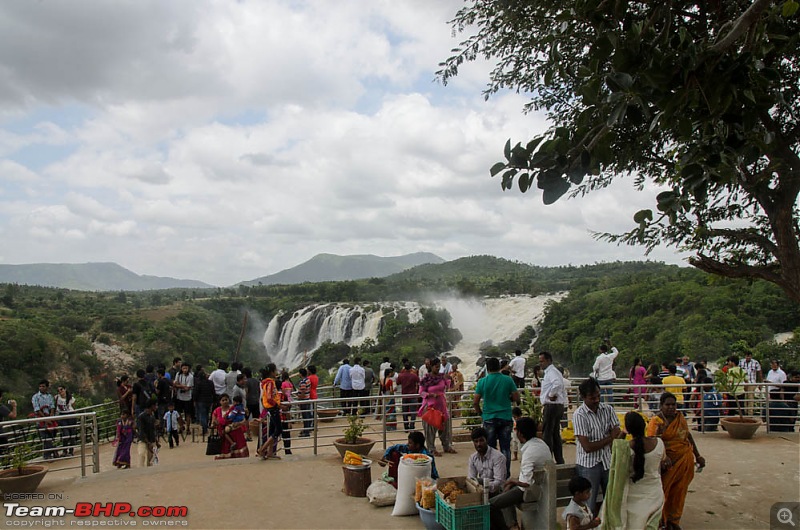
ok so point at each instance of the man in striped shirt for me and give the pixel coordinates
(596, 427)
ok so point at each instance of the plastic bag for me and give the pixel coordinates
(428, 497)
(434, 418)
(421, 483)
(381, 493)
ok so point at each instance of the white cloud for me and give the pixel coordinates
(223, 141)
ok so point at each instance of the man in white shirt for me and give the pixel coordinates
(534, 453)
(218, 378)
(486, 462)
(554, 399)
(517, 366)
(425, 368)
(358, 381)
(446, 366)
(776, 376)
(603, 370)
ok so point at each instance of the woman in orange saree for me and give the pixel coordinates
(671, 427)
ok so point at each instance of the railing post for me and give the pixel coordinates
(383, 418)
(95, 444)
(315, 418)
(83, 446)
(766, 405)
(702, 408)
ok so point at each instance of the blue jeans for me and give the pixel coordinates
(606, 392)
(499, 430)
(598, 477)
(202, 415)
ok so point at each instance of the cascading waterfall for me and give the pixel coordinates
(289, 337)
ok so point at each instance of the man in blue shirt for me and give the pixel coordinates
(416, 444)
(44, 407)
(345, 384)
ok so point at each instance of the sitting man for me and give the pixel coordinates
(416, 444)
(486, 462)
(534, 453)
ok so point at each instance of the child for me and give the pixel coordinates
(122, 456)
(516, 413)
(236, 414)
(173, 423)
(577, 515)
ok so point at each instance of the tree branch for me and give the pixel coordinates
(770, 273)
(745, 236)
(741, 26)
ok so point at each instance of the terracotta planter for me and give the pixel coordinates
(327, 415)
(740, 428)
(362, 446)
(11, 482)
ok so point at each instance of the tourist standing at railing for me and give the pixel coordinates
(387, 387)
(408, 381)
(218, 378)
(303, 395)
(603, 370)
(369, 382)
(253, 391)
(44, 407)
(776, 376)
(498, 392)
(313, 378)
(596, 427)
(517, 366)
(270, 413)
(536, 380)
(636, 378)
(65, 404)
(675, 384)
(358, 381)
(752, 370)
(125, 394)
(457, 378)
(432, 390)
(554, 398)
(654, 380)
(8, 411)
(204, 396)
(343, 381)
(446, 366)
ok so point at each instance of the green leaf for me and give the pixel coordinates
(524, 182)
(643, 215)
(616, 116)
(507, 150)
(497, 168)
(519, 156)
(553, 186)
(789, 8)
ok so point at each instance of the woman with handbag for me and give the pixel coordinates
(231, 426)
(434, 411)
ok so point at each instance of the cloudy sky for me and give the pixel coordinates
(222, 141)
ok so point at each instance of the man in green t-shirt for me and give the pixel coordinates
(498, 391)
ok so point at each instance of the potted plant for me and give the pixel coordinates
(732, 383)
(20, 477)
(470, 421)
(532, 407)
(352, 439)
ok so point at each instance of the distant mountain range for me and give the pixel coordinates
(330, 267)
(90, 277)
(113, 277)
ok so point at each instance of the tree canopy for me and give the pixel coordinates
(698, 97)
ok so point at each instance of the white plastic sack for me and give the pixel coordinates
(381, 493)
(407, 475)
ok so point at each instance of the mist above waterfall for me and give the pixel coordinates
(491, 319)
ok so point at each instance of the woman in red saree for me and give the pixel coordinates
(228, 421)
(682, 452)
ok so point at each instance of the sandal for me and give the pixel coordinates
(437, 453)
(451, 451)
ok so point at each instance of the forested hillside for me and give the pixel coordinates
(674, 312)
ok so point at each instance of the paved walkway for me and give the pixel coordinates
(735, 491)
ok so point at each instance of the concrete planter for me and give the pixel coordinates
(362, 446)
(740, 428)
(12, 482)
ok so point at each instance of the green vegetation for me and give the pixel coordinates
(663, 314)
(650, 310)
(699, 98)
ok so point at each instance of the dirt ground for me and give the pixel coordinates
(735, 491)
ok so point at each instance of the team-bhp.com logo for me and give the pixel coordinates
(95, 510)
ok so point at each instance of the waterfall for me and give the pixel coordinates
(290, 336)
(494, 320)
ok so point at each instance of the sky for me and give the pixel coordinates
(222, 141)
